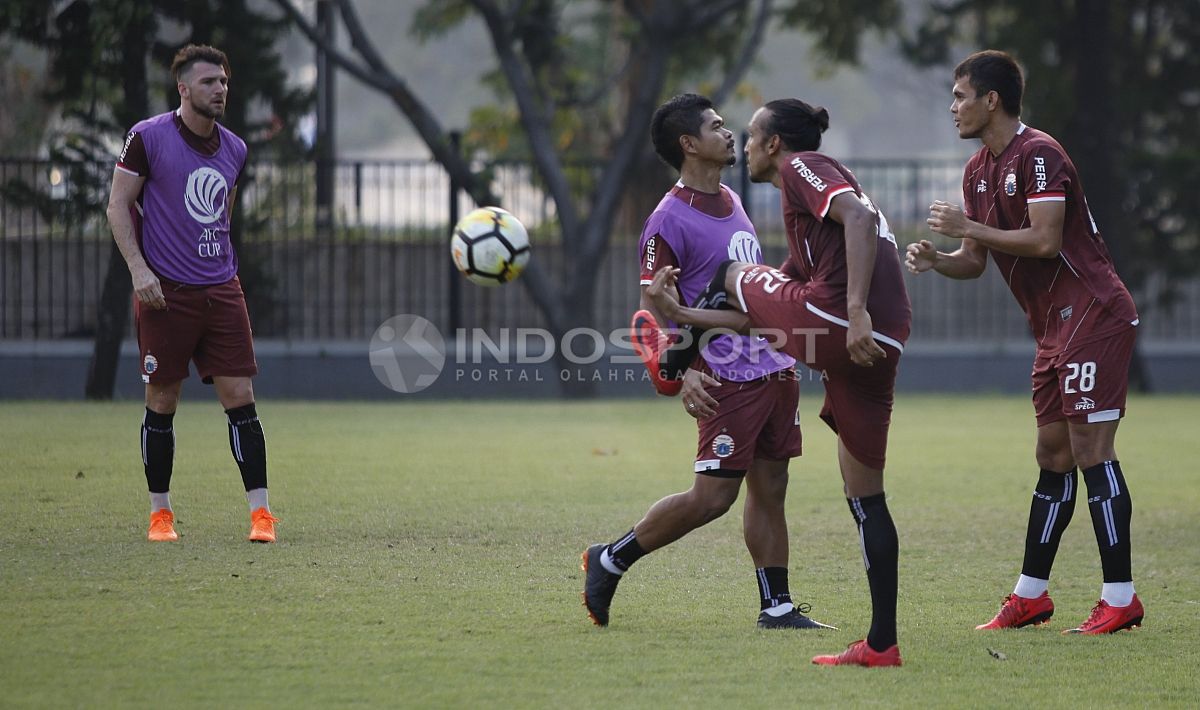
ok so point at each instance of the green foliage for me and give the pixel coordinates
(1115, 82)
(579, 57)
(838, 28)
(108, 58)
(429, 557)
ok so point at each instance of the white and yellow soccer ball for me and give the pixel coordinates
(490, 246)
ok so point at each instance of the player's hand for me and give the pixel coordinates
(947, 219)
(147, 289)
(662, 292)
(920, 257)
(696, 401)
(863, 349)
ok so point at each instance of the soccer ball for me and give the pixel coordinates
(490, 246)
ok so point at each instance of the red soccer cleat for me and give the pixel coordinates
(650, 342)
(1017, 612)
(860, 654)
(1107, 619)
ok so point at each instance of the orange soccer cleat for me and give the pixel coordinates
(860, 654)
(262, 525)
(1108, 619)
(162, 526)
(1016, 612)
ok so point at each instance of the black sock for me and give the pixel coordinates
(772, 587)
(625, 551)
(1111, 509)
(1049, 515)
(676, 360)
(881, 553)
(249, 446)
(158, 450)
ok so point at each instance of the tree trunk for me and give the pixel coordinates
(118, 285)
(110, 328)
(1096, 141)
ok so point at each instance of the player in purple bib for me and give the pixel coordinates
(742, 393)
(837, 303)
(172, 193)
(699, 231)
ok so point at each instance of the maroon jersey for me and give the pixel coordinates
(1070, 299)
(817, 245)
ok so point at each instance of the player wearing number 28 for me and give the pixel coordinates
(1024, 205)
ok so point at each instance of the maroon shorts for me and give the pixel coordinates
(858, 400)
(1085, 384)
(754, 420)
(207, 324)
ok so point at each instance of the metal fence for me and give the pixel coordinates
(383, 251)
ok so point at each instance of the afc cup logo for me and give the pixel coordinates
(205, 195)
(743, 246)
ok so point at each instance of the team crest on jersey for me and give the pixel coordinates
(722, 445)
(1010, 184)
(150, 364)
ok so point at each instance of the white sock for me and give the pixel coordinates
(780, 609)
(257, 499)
(1031, 587)
(607, 563)
(160, 501)
(1117, 593)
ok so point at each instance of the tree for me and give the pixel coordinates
(101, 54)
(98, 68)
(597, 75)
(1115, 82)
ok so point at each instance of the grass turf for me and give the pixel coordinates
(429, 557)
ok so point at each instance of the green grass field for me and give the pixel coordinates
(429, 557)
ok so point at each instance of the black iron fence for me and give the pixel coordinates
(382, 250)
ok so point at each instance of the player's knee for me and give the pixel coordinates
(236, 393)
(1055, 458)
(710, 503)
(768, 484)
(1091, 454)
(1093, 444)
(163, 399)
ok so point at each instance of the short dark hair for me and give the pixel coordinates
(679, 116)
(993, 70)
(193, 53)
(798, 124)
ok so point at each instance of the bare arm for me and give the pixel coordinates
(125, 191)
(860, 225)
(1042, 239)
(966, 262)
(662, 293)
(647, 303)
